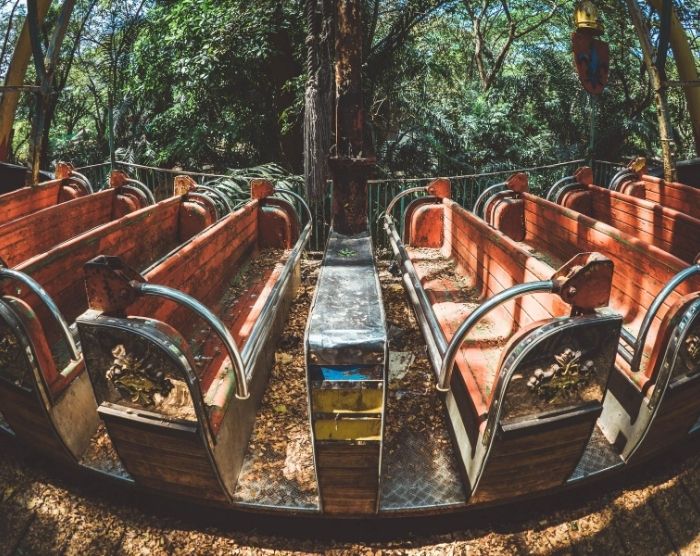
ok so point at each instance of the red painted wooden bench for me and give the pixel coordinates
(653, 399)
(35, 233)
(674, 195)
(44, 393)
(511, 412)
(26, 200)
(204, 325)
(666, 228)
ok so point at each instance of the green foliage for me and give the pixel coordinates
(216, 84)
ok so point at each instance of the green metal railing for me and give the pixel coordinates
(465, 189)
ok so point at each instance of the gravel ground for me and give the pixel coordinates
(657, 511)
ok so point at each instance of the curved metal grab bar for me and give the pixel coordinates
(565, 189)
(401, 195)
(191, 303)
(453, 347)
(82, 178)
(143, 188)
(620, 177)
(45, 298)
(283, 191)
(676, 281)
(218, 194)
(488, 192)
(564, 181)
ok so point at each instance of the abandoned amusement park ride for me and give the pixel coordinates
(563, 330)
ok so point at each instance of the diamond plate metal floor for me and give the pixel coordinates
(420, 471)
(598, 456)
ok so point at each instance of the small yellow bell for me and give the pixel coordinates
(586, 18)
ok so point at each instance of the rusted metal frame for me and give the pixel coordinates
(47, 301)
(480, 312)
(667, 290)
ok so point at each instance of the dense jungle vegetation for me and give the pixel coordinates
(451, 86)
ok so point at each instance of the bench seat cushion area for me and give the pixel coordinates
(475, 263)
(640, 272)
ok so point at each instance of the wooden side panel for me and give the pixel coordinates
(139, 238)
(38, 232)
(27, 418)
(347, 476)
(667, 229)
(27, 200)
(641, 270)
(679, 411)
(167, 459)
(526, 461)
(673, 195)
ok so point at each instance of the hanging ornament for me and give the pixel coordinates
(591, 55)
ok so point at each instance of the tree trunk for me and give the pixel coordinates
(15, 77)
(687, 69)
(659, 91)
(318, 100)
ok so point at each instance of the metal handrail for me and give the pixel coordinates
(46, 299)
(302, 201)
(488, 192)
(404, 193)
(82, 178)
(563, 181)
(676, 281)
(143, 188)
(559, 194)
(455, 344)
(619, 177)
(201, 310)
(218, 195)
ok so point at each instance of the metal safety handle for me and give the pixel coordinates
(48, 302)
(489, 192)
(448, 360)
(201, 310)
(143, 188)
(667, 290)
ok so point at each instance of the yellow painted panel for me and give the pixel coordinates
(348, 429)
(344, 400)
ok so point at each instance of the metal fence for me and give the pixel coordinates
(465, 189)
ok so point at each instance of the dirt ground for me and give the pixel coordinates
(44, 512)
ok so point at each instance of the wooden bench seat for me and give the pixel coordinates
(35, 233)
(496, 413)
(196, 418)
(653, 223)
(635, 418)
(142, 238)
(674, 195)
